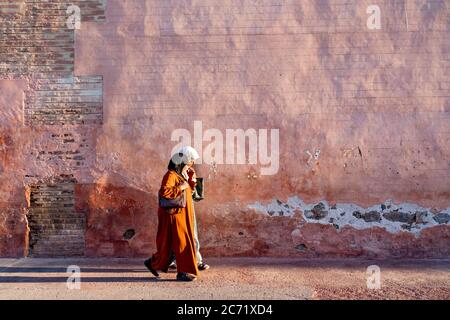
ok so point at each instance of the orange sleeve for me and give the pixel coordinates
(169, 186)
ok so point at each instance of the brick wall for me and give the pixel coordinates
(35, 38)
(363, 117)
(58, 114)
(61, 101)
(56, 229)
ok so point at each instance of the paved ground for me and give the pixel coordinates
(228, 278)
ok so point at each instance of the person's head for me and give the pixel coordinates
(185, 156)
(175, 165)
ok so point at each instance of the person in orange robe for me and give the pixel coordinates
(176, 225)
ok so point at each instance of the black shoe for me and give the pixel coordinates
(170, 264)
(203, 266)
(148, 264)
(182, 276)
(171, 267)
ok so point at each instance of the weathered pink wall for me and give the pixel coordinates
(12, 196)
(372, 105)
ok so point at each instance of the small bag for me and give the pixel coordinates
(178, 202)
(199, 190)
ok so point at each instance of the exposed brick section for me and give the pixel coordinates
(62, 101)
(69, 150)
(56, 229)
(11, 8)
(37, 46)
(34, 37)
(36, 42)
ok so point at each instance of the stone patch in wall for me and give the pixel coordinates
(392, 217)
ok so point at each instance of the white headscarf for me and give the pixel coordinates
(185, 154)
(190, 153)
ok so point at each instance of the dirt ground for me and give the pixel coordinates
(228, 278)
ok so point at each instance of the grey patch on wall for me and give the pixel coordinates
(317, 212)
(407, 217)
(370, 216)
(442, 218)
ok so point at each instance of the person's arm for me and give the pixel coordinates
(171, 188)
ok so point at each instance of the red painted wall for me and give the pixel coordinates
(362, 114)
